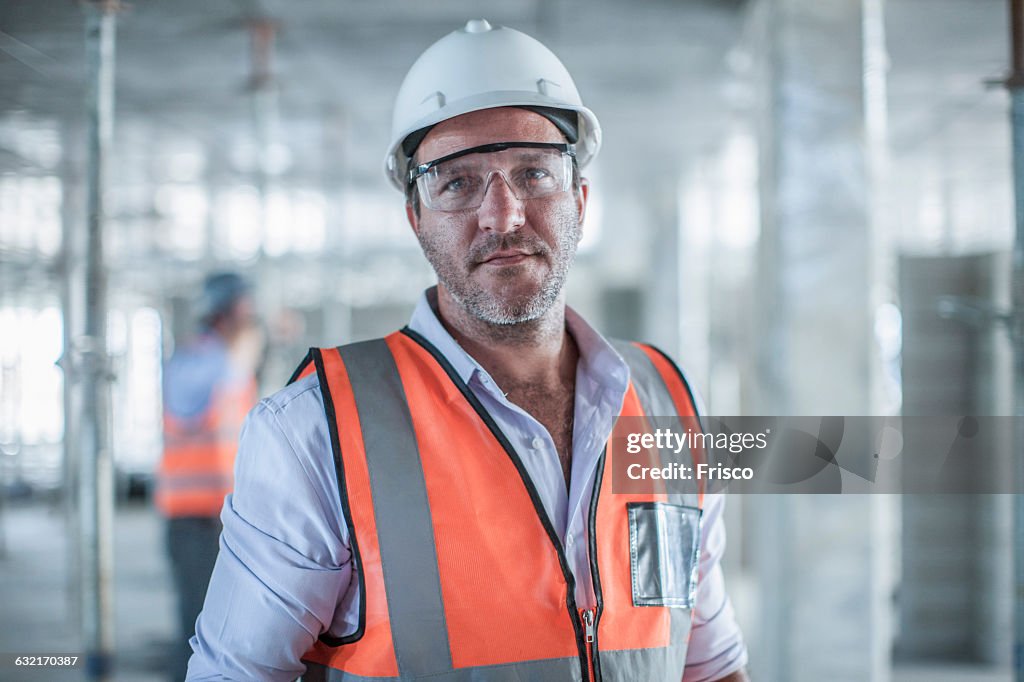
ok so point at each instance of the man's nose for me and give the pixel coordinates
(500, 211)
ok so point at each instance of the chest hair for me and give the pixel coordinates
(552, 406)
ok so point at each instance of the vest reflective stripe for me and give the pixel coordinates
(664, 390)
(196, 471)
(196, 482)
(646, 379)
(441, 593)
(551, 670)
(406, 541)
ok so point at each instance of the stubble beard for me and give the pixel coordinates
(490, 306)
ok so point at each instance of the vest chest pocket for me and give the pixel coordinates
(664, 550)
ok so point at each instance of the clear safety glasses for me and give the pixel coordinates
(459, 181)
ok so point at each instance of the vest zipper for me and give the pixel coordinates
(590, 636)
(586, 663)
(595, 574)
(588, 625)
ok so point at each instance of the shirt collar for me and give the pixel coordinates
(425, 323)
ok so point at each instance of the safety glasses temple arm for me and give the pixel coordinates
(419, 170)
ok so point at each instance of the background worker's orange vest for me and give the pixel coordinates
(196, 471)
(461, 575)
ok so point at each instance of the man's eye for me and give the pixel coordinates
(456, 185)
(536, 179)
(535, 174)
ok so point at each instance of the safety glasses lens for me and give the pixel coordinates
(461, 183)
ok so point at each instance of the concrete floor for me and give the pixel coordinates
(952, 672)
(39, 613)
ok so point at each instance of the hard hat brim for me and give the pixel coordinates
(396, 163)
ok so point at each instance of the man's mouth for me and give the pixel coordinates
(506, 257)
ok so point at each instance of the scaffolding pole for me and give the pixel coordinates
(72, 286)
(1015, 84)
(96, 500)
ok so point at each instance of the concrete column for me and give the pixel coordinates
(636, 260)
(820, 559)
(72, 293)
(956, 589)
(96, 482)
(668, 303)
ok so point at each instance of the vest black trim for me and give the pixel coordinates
(301, 368)
(594, 572)
(339, 469)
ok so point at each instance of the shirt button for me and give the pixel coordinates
(537, 443)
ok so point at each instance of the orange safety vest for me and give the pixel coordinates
(461, 575)
(196, 471)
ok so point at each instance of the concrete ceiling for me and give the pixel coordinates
(664, 76)
(949, 124)
(183, 69)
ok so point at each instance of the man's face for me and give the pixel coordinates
(506, 261)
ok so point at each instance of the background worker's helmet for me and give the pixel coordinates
(220, 293)
(478, 67)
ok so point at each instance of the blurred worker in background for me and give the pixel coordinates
(435, 504)
(209, 386)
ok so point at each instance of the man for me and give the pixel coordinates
(209, 386)
(434, 504)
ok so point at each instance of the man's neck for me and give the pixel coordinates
(538, 352)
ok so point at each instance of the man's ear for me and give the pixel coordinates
(582, 196)
(410, 215)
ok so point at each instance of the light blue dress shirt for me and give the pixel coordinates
(194, 371)
(284, 575)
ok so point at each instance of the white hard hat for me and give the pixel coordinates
(478, 67)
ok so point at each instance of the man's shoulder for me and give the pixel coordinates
(292, 419)
(296, 397)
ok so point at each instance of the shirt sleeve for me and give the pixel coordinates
(716, 646)
(284, 567)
